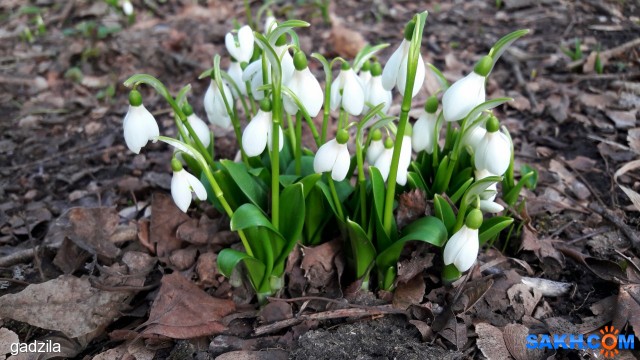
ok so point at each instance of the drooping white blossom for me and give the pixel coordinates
(395, 71)
(182, 185)
(347, 91)
(200, 127)
(467, 93)
(424, 132)
(215, 107)
(333, 156)
(493, 152)
(376, 93)
(241, 45)
(235, 73)
(258, 134)
(139, 126)
(306, 88)
(462, 248)
(488, 197)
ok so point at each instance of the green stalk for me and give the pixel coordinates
(326, 107)
(247, 13)
(298, 143)
(275, 156)
(414, 52)
(362, 181)
(247, 85)
(336, 199)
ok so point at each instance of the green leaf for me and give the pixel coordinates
(365, 54)
(148, 80)
(307, 166)
(442, 80)
(428, 229)
(478, 188)
(511, 197)
(444, 212)
(458, 194)
(362, 248)
(282, 28)
(292, 212)
(377, 185)
(309, 182)
(286, 180)
(228, 259)
(441, 176)
(249, 185)
(317, 214)
(487, 105)
(415, 181)
(248, 216)
(492, 227)
(532, 181)
(501, 45)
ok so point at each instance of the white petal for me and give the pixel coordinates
(374, 150)
(269, 24)
(390, 71)
(287, 65)
(423, 132)
(469, 254)
(342, 164)
(139, 127)
(235, 73)
(197, 187)
(454, 246)
(490, 206)
(254, 138)
(245, 39)
(230, 43)
(364, 76)
(252, 70)
(127, 8)
(383, 163)
(461, 97)
(181, 190)
(201, 129)
(353, 94)
(377, 94)
(280, 138)
(493, 153)
(208, 103)
(472, 137)
(326, 156)
(336, 97)
(310, 94)
(405, 152)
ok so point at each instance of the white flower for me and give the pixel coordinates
(424, 132)
(253, 72)
(182, 185)
(383, 162)
(377, 94)
(200, 127)
(334, 157)
(347, 91)
(127, 8)
(365, 76)
(306, 87)
(487, 198)
(235, 73)
(215, 107)
(139, 127)
(464, 95)
(462, 249)
(258, 133)
(286, 62)
(375, 149)
(493, 153)
(241, 48)
(395, 71)
(270, 23)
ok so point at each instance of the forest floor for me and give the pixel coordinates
(80, 215)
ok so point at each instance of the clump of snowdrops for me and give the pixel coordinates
(278, 193)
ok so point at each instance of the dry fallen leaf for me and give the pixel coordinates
(7, 337)
(491, 342)
(346, 42)
(184, 311)
(67, 304)
(410, 293)
(633, 196)
(524, 299)
(319, 265)
(165, 220)
(633, 138)
(515, 336)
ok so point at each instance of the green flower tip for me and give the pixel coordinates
(233, 60)
(243, 65)
(376, 135)
(300, 61)
(342, 136)
(376, 69)
(135, 99)
(187, 109)
(265, 105)
(212, 74)
(388, 143)
(431, 106)
(345, 65)
(281, 40)
(408, 30)
(483, 67)
(493, 124)
(366, 66)
(176, 165)
(474, 219)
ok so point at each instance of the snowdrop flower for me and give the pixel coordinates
(473, 136)
(286, 61)
(462, 248)
(259, 132)
(139, 125)
(424, 130)
(334, 156)
(383, 162)
(235, 73)
(214, 104)
(183, 184)
(494, 149)
(395, 71)
(466, 93)
(347, 91)
(270, 23)
(487, 198)
(240, 46)
(305, 86)
(376, 147)
(127, 7)
(375, 93)
(198, 125)
(365, 73)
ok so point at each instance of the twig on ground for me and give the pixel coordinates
(18, 257)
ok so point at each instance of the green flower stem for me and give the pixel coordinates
(275, 155)
(336, 199)
(450, 273)
(412, 66)
(298, 143)
(247, 85)
(362, 182)
(291, 131)
(236, 87)
(247, 13)
(326, 107)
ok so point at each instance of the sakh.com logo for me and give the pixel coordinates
(609, 341)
